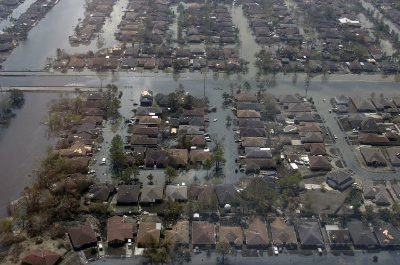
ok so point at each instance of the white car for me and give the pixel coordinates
(215, 120)
(103, 161)
(100, 247)
(276, 252)
(129, 242)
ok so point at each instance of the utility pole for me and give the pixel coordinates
(204, 84)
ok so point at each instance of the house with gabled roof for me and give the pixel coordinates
(361, 235)
(149, 234)
(310, 236)
(373, 156)
(283, 234)
(179, 234)
(203, 234)
(151, 194)
(233, 235)
(176, 193)
(118, 231)
(257, 234)
(82, 236)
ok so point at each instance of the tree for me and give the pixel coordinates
(17, 98)
(226, 97)
(172, 211)
(208, 164)
(117, 155)
(290, 183)
(228, 120)
(218, 158)
(150, 178)
(222, 249)
(369, 212)
(171, 173)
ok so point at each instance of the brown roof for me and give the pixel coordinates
(245, 97)
(203, 233)
(309, 127)
(319, 163)
(178, 157)
(248, 114)
(41, 257)
(143, 130)
(372, 138)
(317, 149)
(149, 234)
(143, 140)
(231, 234)
(179, 234)
(197, 112)
(282, 233)
(198, 140)
(148, 120)
(253, 142)
(118, 230)
(256, 234)
(82, 236)
(199, 156)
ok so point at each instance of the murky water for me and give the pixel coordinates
(22, 145)
(51, 33)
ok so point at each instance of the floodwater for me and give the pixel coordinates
(22, 145)
(50, 33)
(384, 257)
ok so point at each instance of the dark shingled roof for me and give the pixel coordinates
(361, 235)
(310, 234)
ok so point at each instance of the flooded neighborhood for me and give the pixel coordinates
(199, 132)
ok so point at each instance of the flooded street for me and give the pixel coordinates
(22, 146)
(248, 46)
(59, 23)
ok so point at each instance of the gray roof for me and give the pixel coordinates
(176, 193)
(361, 235)
(310, 234)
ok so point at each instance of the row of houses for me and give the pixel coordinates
(152, 57)
(369, 123)
(95, 16)
(145, 22)
(307, 137)
(258, 234)
(252, 135)
(211, 23)
(266, 29)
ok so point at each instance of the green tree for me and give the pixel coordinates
(290, 183)
(171, 173)
(218, 158)
(117, 155)
(222, 249)
(172, 211)
(150, 178)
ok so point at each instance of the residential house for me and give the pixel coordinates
(310, 235)
(156, 158)
(361, 235)
(128, 195)
(393, 154)
(257, 235)
(283, 234)
(388, 236)
(233, 235)
(151, 194)
(319, 163)
(41, 257)
(204, 198)
(245, 97)
(178, 158)
(203, 234)
(339, 179)
(199, 156)
(148, 234)
(118, 231)
(338, 238)
(373, 157)
(179, 234)
(101, 192)
(226, 194)
(82, 237)
(176, 193)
